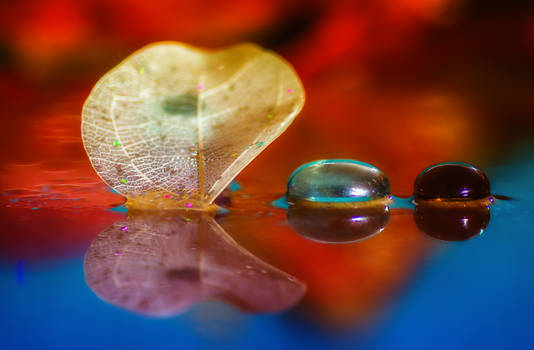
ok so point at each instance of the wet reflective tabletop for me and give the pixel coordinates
(108, 289)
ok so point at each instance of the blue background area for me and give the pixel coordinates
(474, 294)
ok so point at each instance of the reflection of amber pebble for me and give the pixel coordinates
(454, 223)
(338, 225)
(452, 181)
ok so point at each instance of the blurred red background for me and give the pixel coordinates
(400, 84)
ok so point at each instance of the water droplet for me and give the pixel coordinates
(337, 180)
(451, 181)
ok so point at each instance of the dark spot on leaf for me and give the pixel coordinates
(143, 303)
(183, 104)
(188, 274)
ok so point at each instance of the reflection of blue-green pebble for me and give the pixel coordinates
(337, 180)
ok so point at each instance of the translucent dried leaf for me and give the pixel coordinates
(174, 124)
(161, 266)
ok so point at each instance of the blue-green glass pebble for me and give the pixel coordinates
(337, 180)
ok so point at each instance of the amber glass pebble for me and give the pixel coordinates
(451, 181)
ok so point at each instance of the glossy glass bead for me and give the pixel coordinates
(337, 180)
(452, 181)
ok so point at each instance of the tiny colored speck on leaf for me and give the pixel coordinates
(290, 90)
(270, 116)
(200, 87)
(187, 219)
(234, 155)
(35, 208)
(116, 143)
(259, 144)
(124, 181)
(124, 228)
(141, 70)
(117, 253)
(167, 196)
(188, 205)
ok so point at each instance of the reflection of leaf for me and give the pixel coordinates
(162, 265)
(178, 123)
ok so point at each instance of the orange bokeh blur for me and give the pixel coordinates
(395, 83)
